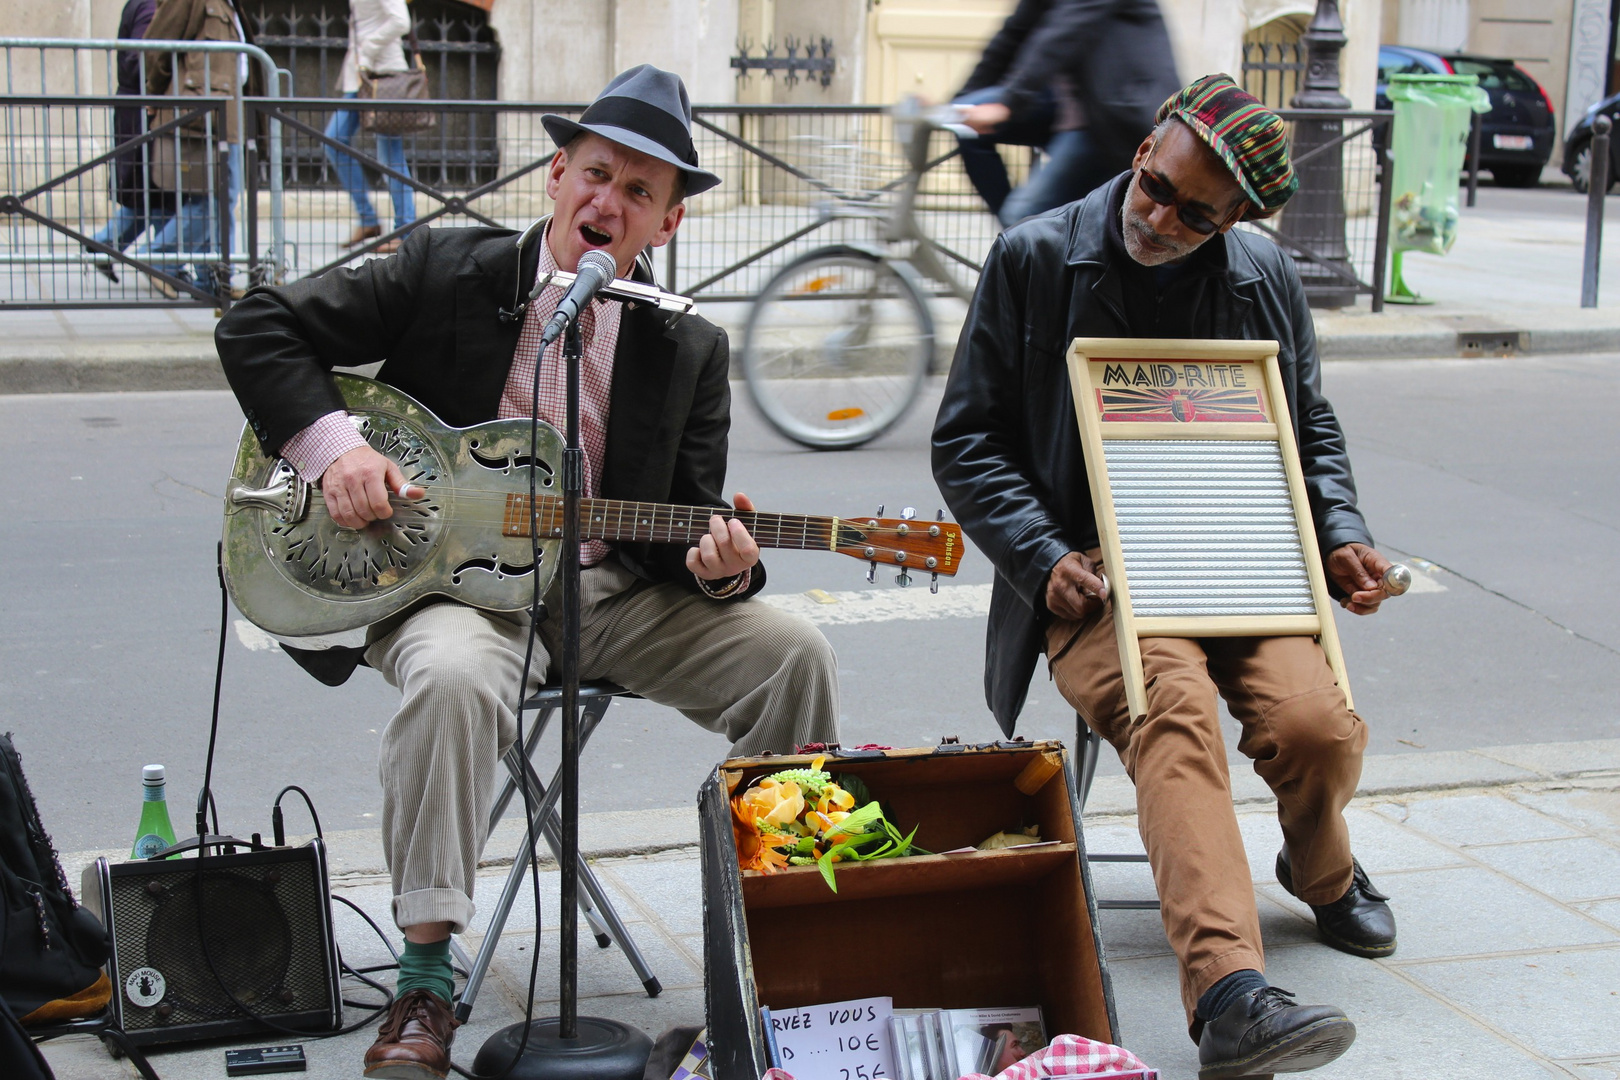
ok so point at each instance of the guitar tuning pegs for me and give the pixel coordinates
(902, 579)
(880, 510)
(940, 516)
(908, 513)
(933, 583)
(871, 569)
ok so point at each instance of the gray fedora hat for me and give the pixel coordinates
(645, 109)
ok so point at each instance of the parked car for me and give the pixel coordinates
(1578, 145)
(1516, 136)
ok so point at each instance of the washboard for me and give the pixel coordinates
(1201, 507)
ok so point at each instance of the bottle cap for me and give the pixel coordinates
(152, 774)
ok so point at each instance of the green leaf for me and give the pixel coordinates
(826, 866)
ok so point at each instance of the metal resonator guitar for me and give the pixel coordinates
(295, 573)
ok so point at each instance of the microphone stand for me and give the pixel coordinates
(562, 1048)
(573, 490)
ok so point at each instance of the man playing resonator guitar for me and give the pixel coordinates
(669, 622)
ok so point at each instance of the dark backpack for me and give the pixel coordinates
(51, 949)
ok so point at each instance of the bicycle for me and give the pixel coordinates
(840, 339)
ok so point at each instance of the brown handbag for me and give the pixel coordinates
(409, 85)
(182, 169)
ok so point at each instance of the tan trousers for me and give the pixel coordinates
(764, 679)
(1304, 742)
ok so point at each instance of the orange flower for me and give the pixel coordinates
(756, 850)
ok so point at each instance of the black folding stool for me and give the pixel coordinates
(594, 904)
(1090, 745)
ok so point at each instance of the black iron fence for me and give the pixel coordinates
(795, 177)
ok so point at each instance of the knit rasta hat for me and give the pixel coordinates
(1248, 137)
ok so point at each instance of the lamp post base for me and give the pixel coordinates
(600, 1050)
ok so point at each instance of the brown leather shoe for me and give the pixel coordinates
(388, 247)
(414, 1040)
(362, 233)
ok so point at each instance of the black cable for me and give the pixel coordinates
(535, 609)
(205, 798)
(277, 828)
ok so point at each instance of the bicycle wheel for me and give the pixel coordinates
(836, 347)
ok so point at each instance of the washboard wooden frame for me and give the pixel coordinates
(1189, 416)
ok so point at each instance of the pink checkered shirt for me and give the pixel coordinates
(313, 449)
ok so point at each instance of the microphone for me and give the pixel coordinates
(596, 269)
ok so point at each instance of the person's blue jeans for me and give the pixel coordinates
(120, 232)
(1070, 171)
(390, 151)
(196, 228)
(125, 225)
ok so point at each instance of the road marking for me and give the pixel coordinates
(252, 638)
(886, 605)
(1423, 579)
(859, 606)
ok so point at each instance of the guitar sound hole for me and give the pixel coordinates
(511, 462)
(493, 565)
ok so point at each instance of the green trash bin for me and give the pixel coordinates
(1433, 115)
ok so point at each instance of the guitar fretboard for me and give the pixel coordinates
(663, 523)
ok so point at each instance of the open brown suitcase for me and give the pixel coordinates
(1012, 927)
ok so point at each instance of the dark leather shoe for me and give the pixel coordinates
(1359, 922)
(414, 1040)
(1264, 1032)
(361, 234)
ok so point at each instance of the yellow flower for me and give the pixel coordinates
(777, 803)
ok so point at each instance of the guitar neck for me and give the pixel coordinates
(622, 521)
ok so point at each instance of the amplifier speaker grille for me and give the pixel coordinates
(1207, 528)
(261, 933)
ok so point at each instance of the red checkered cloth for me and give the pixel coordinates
(1068, 1055)
(1075, 1055)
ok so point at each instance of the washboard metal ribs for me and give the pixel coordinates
(1200, 501)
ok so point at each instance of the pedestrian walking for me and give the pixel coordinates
(375, 27)
(1080, 79)
(202, 74)
(136, 205)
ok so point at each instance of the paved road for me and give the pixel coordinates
(1498, 473)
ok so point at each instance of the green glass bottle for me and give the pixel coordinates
(155, 833)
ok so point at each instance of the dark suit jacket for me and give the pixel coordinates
(431, 315)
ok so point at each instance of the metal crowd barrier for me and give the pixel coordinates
(795, 177)
(60, 150)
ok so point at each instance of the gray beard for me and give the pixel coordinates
(1139, 233)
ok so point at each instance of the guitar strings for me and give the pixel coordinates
(815, 533)
(811, 530)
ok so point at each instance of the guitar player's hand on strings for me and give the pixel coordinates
(357, 485)
(727, 550)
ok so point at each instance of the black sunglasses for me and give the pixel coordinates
(1159, 192)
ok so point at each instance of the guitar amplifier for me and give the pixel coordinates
(203, 946)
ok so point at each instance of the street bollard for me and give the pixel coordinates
(1597, 188)
(1475, 127)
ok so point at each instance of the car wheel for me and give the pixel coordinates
(1580, 168)
(1518, 176)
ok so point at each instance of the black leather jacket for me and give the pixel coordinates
(1115, 53)
(1006, 448)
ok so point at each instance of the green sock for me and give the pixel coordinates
(426, 967)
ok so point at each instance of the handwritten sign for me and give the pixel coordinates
(844, 1040)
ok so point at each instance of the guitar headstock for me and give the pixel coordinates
(931, 547)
